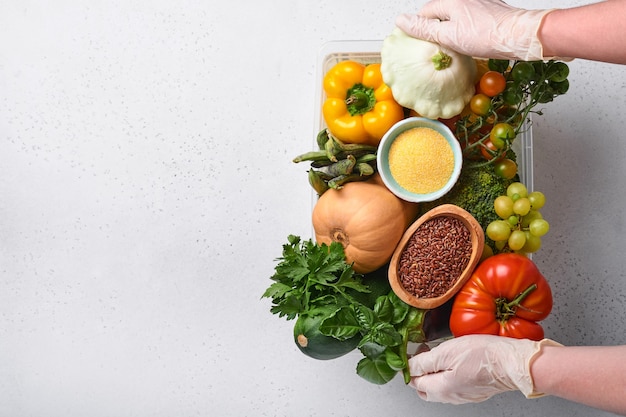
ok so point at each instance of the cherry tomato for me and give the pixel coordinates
(558, 72)
(500, 65)
(506, 296)
(512, 94)
(501, 135)
(492, 83)
(511, 115)
(506, 168)
(545, 94)
(489, 151)
(523, 72)
(559, 87)
(480, 104)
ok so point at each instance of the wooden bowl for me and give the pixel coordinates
(477, 238)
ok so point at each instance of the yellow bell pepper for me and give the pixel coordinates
(359, 106)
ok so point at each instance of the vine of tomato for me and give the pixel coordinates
(470, 144)
(492, 83)
(506, 296)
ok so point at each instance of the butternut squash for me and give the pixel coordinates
(366, 218)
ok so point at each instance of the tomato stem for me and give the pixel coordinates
(506, 309)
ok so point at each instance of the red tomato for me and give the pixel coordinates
(489, 146)
(506, 296)
(492, 83)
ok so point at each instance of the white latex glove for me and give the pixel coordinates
(474, 368)
(478, 28)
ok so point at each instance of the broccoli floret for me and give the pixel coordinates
(475, 191)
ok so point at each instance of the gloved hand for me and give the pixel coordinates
(474, 368)
(478, 28)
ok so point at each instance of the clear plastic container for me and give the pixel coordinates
(368, 52)
(436, 327)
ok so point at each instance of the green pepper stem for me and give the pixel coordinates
(358, 99)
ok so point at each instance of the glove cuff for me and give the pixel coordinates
(527, 387)
(535, 47)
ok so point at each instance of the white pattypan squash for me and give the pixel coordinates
(432, 80)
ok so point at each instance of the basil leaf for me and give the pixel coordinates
(386, 335)
(414, 323)
(394, 360)
(376, 371)
(365, 316)
(384, 309)
(400, 308)
(342, 325)
(371, 349)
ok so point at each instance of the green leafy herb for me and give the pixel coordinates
(312, 278)
(386, 331)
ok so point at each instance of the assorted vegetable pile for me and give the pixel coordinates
(336, 286)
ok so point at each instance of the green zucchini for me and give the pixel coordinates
(314, 344)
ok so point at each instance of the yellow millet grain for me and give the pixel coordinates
(421, 160)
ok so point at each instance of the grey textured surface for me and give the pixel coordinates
(147, 188)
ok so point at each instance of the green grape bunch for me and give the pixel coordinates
(521, 225)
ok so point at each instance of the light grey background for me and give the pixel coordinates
(146, 187)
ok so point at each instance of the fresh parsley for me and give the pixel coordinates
(311, 276)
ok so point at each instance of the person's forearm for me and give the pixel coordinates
(595, 376)
(595, 32)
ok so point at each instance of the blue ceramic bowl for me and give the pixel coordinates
(383, 158)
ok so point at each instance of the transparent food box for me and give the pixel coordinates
(436, 321)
